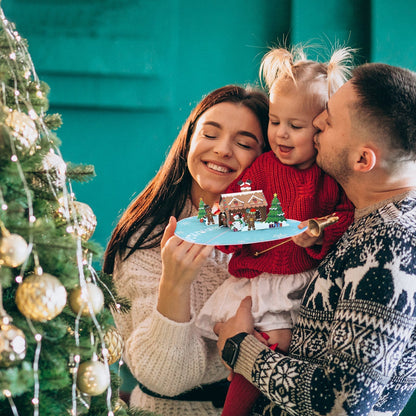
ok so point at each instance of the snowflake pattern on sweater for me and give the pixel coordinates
(353, 350)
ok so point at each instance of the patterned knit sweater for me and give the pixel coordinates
(353, 350)
(166, 356)
(303, 194)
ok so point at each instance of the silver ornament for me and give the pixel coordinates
(93, 377)
(55, 168)
(12, 345)
(41, 297)
(13, 250)
(82, 298)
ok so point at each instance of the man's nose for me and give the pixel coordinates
(318, 120)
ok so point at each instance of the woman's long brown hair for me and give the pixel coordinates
(166, 193)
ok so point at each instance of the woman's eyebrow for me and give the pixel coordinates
(249, 134)
(213, 123)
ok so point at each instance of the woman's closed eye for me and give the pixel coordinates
(244, 145)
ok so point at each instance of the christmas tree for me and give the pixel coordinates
(275, 214)
(57, 341)
(201, 209)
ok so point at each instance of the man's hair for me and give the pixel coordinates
(387, 104)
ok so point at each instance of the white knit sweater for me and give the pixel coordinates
(167, 357)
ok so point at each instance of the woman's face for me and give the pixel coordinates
(226, 140)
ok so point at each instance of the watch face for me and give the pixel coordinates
(230, 352)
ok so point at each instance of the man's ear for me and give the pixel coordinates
(366, 160)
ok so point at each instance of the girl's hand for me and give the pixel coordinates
(306, 239)
(181, 263)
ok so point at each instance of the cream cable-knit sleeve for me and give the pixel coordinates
(166, 356)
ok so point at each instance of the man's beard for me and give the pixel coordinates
(336, 166)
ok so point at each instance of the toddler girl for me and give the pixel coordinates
(276, 275)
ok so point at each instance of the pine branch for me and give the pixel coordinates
(80, 173)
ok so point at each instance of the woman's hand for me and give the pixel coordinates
(181, 262)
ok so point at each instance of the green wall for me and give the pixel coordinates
(124, 74)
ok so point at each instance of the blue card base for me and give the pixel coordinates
(192, 230)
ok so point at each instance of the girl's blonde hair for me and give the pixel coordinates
(280, 64)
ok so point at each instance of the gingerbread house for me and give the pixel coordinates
(240, 203)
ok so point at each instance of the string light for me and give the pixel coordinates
(8, 395)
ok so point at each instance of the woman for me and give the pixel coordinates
(167, 279)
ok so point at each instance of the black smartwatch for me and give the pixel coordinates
(232, 348)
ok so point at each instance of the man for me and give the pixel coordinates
(353, 349)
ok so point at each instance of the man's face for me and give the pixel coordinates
(334, 138)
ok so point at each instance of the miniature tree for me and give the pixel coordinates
(201, 209)
(56, 337)
(275, 214)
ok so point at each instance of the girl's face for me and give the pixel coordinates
(290, 130)
(226, 140)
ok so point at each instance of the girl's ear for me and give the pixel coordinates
(366, 160)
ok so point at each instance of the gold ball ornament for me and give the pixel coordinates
(12, 345)
(41, 297)
(13, 250)
(86, 220)
(24, 130)
(114, 344)
(93, 377)
(82, 298)
(120, 404)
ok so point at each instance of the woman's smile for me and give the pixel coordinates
(218, 168)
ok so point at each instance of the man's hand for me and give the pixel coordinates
(242, 321)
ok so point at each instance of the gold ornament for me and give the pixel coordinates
(13, 249)
(86, 220)
(114, 344)
(24, 130)
(41, 297)
(12, 345)
(93, 377)
(120, 404)
(80, 299)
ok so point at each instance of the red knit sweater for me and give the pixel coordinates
(303, 194)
